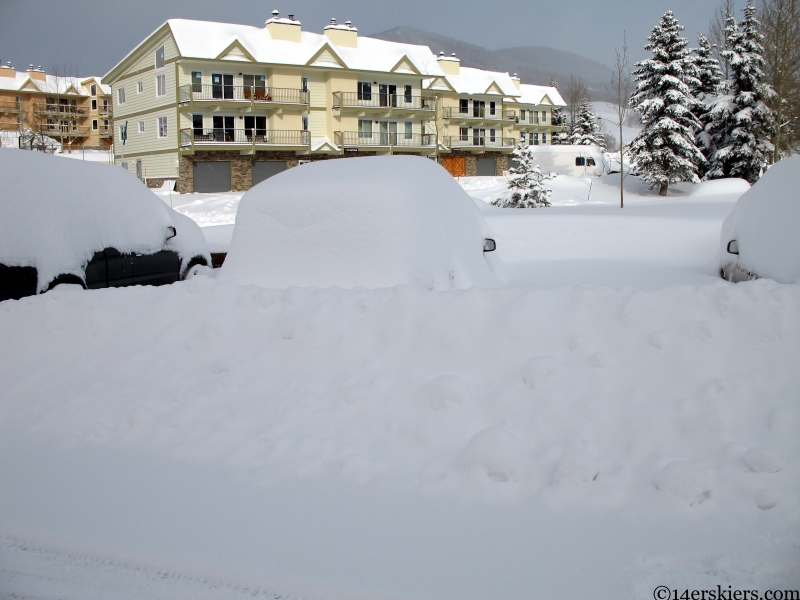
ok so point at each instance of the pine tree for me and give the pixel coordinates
(741, 122)
(586, 131)
(526, 182)
(665, 151)
(557, 119)
(709, 86)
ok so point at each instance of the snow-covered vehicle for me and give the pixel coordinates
(761, 237)
(68, 221)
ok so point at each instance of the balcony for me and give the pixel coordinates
(105, 132)
(480, 142)
(244, 138)
(383, 102)
(58, 109)
(237, 94)
(9, 107)
(353, 139)
(105, 110)
(482, 114)
(57, 130)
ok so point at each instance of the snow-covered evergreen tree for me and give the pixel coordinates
(709, 86)
(740, 122)
(665, 151)
(526, 182)
(586, 131)
(557, 119)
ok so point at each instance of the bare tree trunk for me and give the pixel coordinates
(619, 94)
(716, 33)
(780, 20)
(576, 92)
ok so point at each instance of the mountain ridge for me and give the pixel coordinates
(533, 64)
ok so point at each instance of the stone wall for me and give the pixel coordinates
(471, 161)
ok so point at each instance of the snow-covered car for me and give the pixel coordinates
(69, 221)
(761, 237)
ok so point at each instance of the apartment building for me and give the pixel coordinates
(220, 106)
(75, 112)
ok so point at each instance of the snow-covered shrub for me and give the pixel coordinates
(526, 182)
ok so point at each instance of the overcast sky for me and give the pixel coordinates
(91, 36)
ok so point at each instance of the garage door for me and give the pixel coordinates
(212, 176)
(264, 169)
(487, 167)
(456, 165)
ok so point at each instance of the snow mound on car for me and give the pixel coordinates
(766, 224)
(55, 214)
(719, 190)
(373, 222)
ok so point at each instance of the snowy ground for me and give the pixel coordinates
(615, 419)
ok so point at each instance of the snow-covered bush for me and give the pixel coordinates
(586, 131)
(375, 222)
(526, 182)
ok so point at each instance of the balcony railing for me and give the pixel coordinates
(9, 107)
(384, 101)
(479, 141)
(481, 114)
(105, 131)
(375, 138)
(105, 110)
(244, 137)
(196, 92)
(61, 131)
(58, 109)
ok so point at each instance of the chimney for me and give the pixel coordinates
(515, 79)
(342, 35)
(37, 74)
(451, 65)
(281, 28)
(7, 70)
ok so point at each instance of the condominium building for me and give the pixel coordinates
(220, 106)
(76, 112)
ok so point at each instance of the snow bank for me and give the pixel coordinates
(372, 222)
(719, 190)
(766, 225)
(55, 214)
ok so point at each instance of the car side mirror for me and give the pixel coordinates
(489, 245)
(733, 247)
(171, 232)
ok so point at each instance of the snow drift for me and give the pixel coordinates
(55, 214)
(766, 225)
(372, 222)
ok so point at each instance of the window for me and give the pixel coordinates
(255, 84)
(305, 122)
(197, 81)
(161, 85)
(365, 128)
(160, 57)
(257, 122)
(478, 108)
(492, 134)
(544, 137)
(407, 94)
(544, 116)
(521, 137)
(463, 106)
(522, 115)
(105, 124)
(590, 162)
(140, 87)
(409, 129)
(463, 134)
(304, 84)
(124, 164)
(197, 124)
(535, 138)
(141, 126)
(580, 161)
(94, 124)
(534, 117)
(162, 127)
(93, 89)
(492, 108)
(121, 95)
(122, 133)
(364, 90)
(139, 169)
(94, 104)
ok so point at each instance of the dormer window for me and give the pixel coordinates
(160, 57)
(93, 89)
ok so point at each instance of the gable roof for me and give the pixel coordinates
(478, 81)
(22, 82)
(538, 94)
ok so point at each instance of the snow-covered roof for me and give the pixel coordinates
(478, 81)
(208, 40)
(533, 94)
(51, 84)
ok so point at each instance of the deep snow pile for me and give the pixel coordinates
(370, 222)
(766, 225)
(55, 214)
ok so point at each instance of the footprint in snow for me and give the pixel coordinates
(766, 499)
(598, 360)
(761, 460)
(539, 369)
(685, 482)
